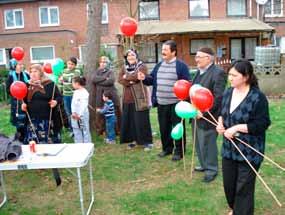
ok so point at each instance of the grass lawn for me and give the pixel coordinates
(137, 182)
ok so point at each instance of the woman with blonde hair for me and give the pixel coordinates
(43, 95)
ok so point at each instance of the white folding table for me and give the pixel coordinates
(51, 156)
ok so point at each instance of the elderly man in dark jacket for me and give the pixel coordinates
(213, 78)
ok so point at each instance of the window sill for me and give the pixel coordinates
(11, 28)
(49, 25)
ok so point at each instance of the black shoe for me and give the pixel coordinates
(209, 178)
(176, 157)
(163, 154)
(198, 169)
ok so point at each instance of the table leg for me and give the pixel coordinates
(91, 186)
(2, 184)
(80, 191)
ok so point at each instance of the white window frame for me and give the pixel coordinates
(4, 56)
(80, 52)
(198, 16)
(203, 40)
(149, 18)
(237, 15)
(14, 10)
(105, 5)
(43, 60)
(272, 14)
(49, 18)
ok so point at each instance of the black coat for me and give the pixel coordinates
(215, 80)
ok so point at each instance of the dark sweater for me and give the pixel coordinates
(182, 73)
(38, 106)
(253, 111)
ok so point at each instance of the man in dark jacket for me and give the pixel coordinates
(162, 78)
(213, 78)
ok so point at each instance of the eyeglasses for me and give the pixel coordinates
(199, 57)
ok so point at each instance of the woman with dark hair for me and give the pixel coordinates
(104, 80)
(244, 114)
(135, 124)
(18, 117)
(42, 96)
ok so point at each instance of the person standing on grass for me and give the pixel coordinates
(162, 78)
(65, 85)
(135, 124)
(18, 117)
(110, 118)
(244, 114)
(80, 111)
(214, 79)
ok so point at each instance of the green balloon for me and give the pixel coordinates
(185, 110)
(177, 131)
(57, 67)
(53, 78)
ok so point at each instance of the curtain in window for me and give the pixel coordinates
(236, 7)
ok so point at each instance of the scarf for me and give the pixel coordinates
(37, 86)
(131, 68)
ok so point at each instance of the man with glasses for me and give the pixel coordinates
(213, 78)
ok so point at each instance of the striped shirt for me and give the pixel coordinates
(166, 78)
(66, 84)
(108, 109)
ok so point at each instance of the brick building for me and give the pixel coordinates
(57, 28)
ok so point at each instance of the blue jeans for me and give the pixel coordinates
(67, 107)
(110, 127)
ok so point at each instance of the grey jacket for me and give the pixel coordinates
(9, 150)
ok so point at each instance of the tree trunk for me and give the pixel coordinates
(93, 51)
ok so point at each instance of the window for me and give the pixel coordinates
(273, 8)
(149, 10)
(14, 19)
(105, 18)
(148, 52)
(236, 8)
(2, 57)
(49, 16)
(42, 53)
(199, 8)
(197, 44)
(243, 48)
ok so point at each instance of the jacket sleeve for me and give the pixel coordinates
(98, 78)
(134, 77)
(123, 81)
(259, 120)
(109, 80)
(183, 71)
(57, 94)
(8, 83)
(149, 79)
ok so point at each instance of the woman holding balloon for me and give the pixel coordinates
(42, 95)
(244, 114)
(18, 117)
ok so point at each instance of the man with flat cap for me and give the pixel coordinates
(213, 78)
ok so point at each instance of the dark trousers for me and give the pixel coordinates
(135, 125)
(239, 186)
(167, 119)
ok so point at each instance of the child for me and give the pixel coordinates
(110, 118)
(65, 85)
(80, 113)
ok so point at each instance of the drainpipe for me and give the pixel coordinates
(257, 9)
(250, 8)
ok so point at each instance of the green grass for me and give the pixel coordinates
(137, 182)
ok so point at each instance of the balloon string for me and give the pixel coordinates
(183, 155)
(32, 126)
(50, 113)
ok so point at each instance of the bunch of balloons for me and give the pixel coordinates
(201, 99)
(54, 69)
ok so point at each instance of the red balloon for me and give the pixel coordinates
(202, 99)
(48, 68)
(18, 53)
(181, 89)
(128, 26)
(18, 90)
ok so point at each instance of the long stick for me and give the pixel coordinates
(253, 169)
(32, 125)
(193, 150)
(211, 115)
(182, 142)
(270, 160)
(273, 162)
(50, 113)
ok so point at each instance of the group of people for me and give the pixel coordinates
(240, 110)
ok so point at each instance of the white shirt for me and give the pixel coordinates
(79, 104)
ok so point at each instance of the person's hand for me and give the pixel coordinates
(60, 79)
(75, 116)
(230, 132)
(124, 76)
(220, 127)
(141, 76)
(98, 109)
(52, 103)
(24, 107)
